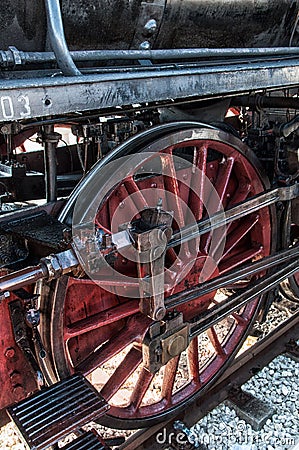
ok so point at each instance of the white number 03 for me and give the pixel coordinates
(7, 107)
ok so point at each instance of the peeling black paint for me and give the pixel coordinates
(111, 24)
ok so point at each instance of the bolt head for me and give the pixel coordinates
(150, 26)
(160, 313)
(10, 352)
(145, 45)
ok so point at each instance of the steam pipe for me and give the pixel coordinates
(263, 101)
(66, 59)
(57, 39)
(50, 140)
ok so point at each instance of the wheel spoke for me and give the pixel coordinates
(121, 203)
(101, 319)
(198, 181)
(238, 259)
(216, 202)
(129, 364)
(141, 387)
(133, 189)
(193, 360)
(171, 185)
(170, 372)
(196, 192)
(130, 334)
(241, 192)
(212, 335)
(239, 319)
(223, 177)
(235, 237)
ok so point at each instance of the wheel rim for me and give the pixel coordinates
(93, 328)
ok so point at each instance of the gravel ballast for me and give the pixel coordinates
(276, 384)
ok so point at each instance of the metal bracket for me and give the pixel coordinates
(17, 314)
(150, 236)
(16, 55)
(148, 25)
(164, 341)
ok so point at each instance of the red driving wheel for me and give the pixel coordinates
(99, 332)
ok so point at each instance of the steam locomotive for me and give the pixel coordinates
(149, 193)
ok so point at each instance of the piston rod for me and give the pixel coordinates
(49, 268)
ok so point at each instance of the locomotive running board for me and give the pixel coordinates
(52, 413)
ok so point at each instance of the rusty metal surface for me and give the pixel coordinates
(16, 375)
(39, 228)
(12, 250)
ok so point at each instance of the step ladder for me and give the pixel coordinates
(52, 413)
